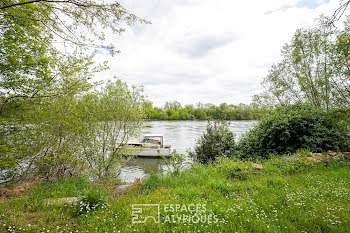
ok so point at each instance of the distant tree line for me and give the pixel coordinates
(174, 111)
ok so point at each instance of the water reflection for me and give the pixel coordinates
(140, 167)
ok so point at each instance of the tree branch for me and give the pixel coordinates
(20, 3)
(53, 1)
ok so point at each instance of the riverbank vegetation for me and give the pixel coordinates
(54, 121)
(294, 127)
(80, 133)
(284, 131)
(283, 195)
(174, 111)
(62, 136)
(217, 141)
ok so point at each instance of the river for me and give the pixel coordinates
(181, 135)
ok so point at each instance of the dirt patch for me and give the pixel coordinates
(18, 190)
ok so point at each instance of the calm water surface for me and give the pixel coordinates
(181, 135)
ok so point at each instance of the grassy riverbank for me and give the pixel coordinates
(284, 196)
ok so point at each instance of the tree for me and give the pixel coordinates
(173, 105)
(311, 70)
(44, 143)
(217, 141)
(150, 112)
(203, 112)
(264, 101)
(78, 22)
(49, 111)
(115, 116)
(341, 66)
(40, 39)
(80, 133)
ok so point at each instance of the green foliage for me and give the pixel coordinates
(32, 69)
(288, 166)
(110, 117)
(174, 111)
(47, 105)
(294, 127)
(62, 188)
(173, 105)
(217, 141)
(151, 182)
(76, 134)
(81, 16)
(92, 200)
(312, 69)
(175, 162)
(25, 64)
(68, 187)
(234, 169)
(221, 186)
(309, 198)
(341, 116)
(7, 162)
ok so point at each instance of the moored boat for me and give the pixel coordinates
(150, 146)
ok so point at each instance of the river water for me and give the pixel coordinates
(181, 135)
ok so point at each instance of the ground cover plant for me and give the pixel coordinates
(284, 195)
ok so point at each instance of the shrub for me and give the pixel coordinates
(217, 141)
(93, 200)
(175, 162)
(287, 129)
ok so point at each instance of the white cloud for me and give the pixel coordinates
(207, 50)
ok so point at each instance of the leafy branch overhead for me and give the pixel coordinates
(80, 23)
(314, 68)
(47, 47)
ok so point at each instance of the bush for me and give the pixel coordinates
(217, 141)
(287, 129)
(93, 200)
(175, 162)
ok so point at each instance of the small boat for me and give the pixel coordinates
(150, 146)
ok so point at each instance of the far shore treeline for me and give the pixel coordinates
(174, 111)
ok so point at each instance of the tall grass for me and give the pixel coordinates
(284, 196)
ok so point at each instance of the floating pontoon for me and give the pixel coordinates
(150, 146)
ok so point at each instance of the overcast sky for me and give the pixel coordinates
(208, 51)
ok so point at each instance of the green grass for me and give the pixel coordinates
(285, 196)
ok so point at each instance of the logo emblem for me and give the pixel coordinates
(142, 212)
